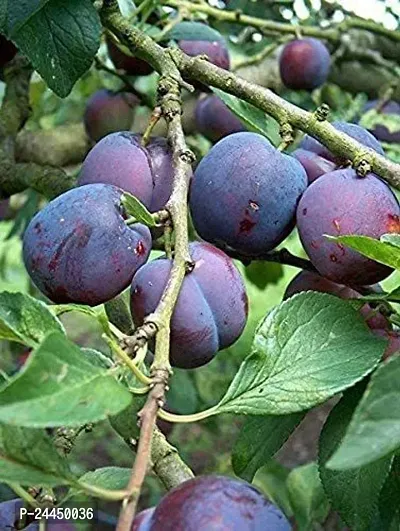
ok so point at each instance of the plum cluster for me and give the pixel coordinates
(212, 502)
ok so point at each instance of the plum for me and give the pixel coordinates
(120, 159)
(381, 132)
(7, 51)
(341, 203)
(107, 112)
(131, 64)
(211, 310)
(318, 160)
(304, 64)
(244, 194)
(217, 503)
(393, 337)
(79, 249)
(309, 281)
(10, 514)
(216, 51)
(142, 520)
(215, 120)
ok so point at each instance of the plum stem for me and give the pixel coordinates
(181, 419)
(154, 118)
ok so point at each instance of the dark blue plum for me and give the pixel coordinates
(304, 64)
(211, 310)
(7, 51)
(10, 514)
(381, 132)
(142, 520)
(120, 159)
(79, 249)
(341, 203)
(216, 51)
(244, 194)
(107, 112)
(216, 503)
(215, 120)
(318, 160)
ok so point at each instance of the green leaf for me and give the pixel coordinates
(353, 493)
(59, 38)
(193, 31)
(374, 430)
(307, 496)
(261, 273)
(96, 358)
(380, 251)
(259, 439)
(254, 119)
(306, 350)
(182, 396)
(125, 423)
(109, 477)
(58, 386)
(133, 207)
(25, 319)
(393, 296)
(271, 480)
(388, 516)
(29, 457)
(393, 239)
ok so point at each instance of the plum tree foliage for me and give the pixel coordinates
(230, 254)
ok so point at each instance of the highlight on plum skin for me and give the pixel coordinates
(107, 112)
(304, 64)
(211, 311)
(79, 249)
(341, 203)
(244, 194)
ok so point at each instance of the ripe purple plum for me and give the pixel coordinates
(217, 503)
(381, 132)
(10, 513)
(341, 203)
(304, 64)
(121, 160)
(215, 120)
(318, 160)
(107, 112)
(244, 194)
(211, 311)
(79, 249)
(216, 51)
(124, 61)
(309, 281)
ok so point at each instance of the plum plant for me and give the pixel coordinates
(78, 249)
(244, 194)
(304, 64)
(157, 288)
(339, 203)
(144, 171)
(318, 160)
(214, 502)
(214, 120)
(107, 112)
(211, 310)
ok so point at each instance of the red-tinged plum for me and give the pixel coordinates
(216, 503)
(304, 64)
(341, 203)
(142, 520)
(120, 159)
(309, 281)
(79, 249)
(107, 112)
(7, 51)
(380, 131)
(211, 311)
(124, 61)
(244, 194)
(318, 160)
(215, 120)
(393, 338)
